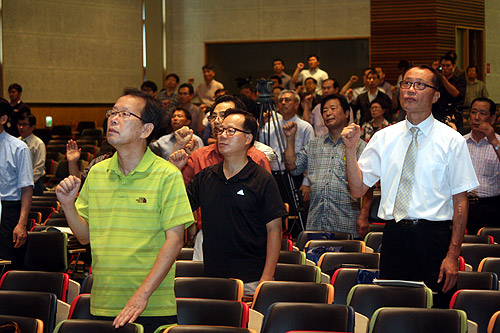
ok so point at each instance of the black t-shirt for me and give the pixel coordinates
(235, 212)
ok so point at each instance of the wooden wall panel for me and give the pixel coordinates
(419, 32)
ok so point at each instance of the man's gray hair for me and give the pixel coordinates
(295, 94)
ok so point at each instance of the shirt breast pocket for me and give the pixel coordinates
(431, 175)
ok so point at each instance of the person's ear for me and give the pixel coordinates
(147, 129)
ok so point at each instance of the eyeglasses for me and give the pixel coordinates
(122, 114)
(417, 85)
(214, 116)
(285, 100)
(231, 131)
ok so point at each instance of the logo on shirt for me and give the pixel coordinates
(141, 200)
(240, 192)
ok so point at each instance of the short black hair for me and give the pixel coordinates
(369, 69)
(151, 113)
(187, 85)
(335, 82)
(436, 81)
(403, 64)
(373, 72)
(227, 98)
(473, 66)
(175, 76)
(149, 84)
(31, 118)
(452, 54)
(250, 123)
(278, 59)
(5, 108)
(344, 104)
(383, 103)
(313, 55)
(311, 78)
(209, 67)
(493, 106)
(449, 58)
(277, 78)
(381, 68)
(250, 106)
(16, 86)
(186, 112)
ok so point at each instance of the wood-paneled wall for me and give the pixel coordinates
(70, 114)
(419, 32)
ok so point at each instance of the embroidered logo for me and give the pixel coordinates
(240, 192)
(141, 200)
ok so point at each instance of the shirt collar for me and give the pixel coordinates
(424, 127)
(244, 173)
(294, 118)
(2, 135)
(468, 137)
(146, 161)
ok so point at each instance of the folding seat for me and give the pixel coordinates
(186, 253)
(270, 292)
(329, 262)
(288, 316)
(92, 133)
(62, 131)
(376, 227)
(57, 222)
(292, 257)
(54, 155)
(490, 264)
(194, 311)
(43, 133)
(480, 239)
(344, 245)
(88, 141)
(36, 217)
(45, 211)
(367, 298)
(30, 304)
(494, 323)
(373, 240)
(54, 142)
(80, 307)
(101, 326)
(413, 320)
(46, 251)
(490, 231)
(90, 148)
(56, 148)
(208, 329)
(83, 125)
(345, 278)
(286, 244)
(298, 273)
(87, 283)
(26, 324)
(308, 235)
(477, 280)
(206, 287)
(189, 268)
(474, 253)
(479, 305)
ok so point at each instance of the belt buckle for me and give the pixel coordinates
(473, 200)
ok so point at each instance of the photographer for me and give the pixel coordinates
(452, 92)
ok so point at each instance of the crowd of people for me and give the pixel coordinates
(236, 164)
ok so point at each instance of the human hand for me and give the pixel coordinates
(133, 309)
(179, 158)
(306, 192)
(449, 271)
(307, 101)
(203, 108)
(19, 235)
(362, 226)
(72, 151)
(350, 135)
(350, 94)
(191, 80)
(182, 137)
(67, 190)
(354, 79)
(290, 129)
(191, 146)
(300, 65)
(488, 130)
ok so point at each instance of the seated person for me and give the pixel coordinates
(378, 108)
(169, 143)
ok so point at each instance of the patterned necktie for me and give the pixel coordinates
(403, 196)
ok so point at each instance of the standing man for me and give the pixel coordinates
(425, 172)
(15, 92)
(361, 105)
(206, 90)
(26, 126)
(330, 87)
(186, 95)
(386, 86)
(278, 70)
(240, 207)
(167, 95)
(301, 74)
(332, 207)
(16, 190)
(484, 149)
(475, 88)
(133, 210)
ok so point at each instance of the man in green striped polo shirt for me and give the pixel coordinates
(133, 210)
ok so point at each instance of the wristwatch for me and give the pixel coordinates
(497, 147)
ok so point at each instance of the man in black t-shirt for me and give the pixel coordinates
(241, 207)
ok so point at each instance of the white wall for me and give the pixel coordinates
(191, 23)
(492, 46)
(71, 51)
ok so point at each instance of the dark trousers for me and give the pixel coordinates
(415, 252)
(483, 212)
(11, 211)
(39, 186)
(150, 324)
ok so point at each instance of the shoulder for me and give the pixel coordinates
(445, 132)
(304, 124)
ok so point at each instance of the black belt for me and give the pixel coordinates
(477, 200)
(10, 203)
(408, 223)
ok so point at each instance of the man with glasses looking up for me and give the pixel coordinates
(133, 210)
(240, 207)
(425, 172)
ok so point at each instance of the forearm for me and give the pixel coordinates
(354, 175)
(26, 195)
(307, 112)
(460, 214)
(78, 225)
(74, 170)
(450, 88)
(290, 156)
(295, 76)
(346, 87)
(274, 234)
(164, 261)
(366, 203)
